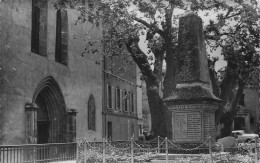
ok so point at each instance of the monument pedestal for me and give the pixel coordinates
(193, 122)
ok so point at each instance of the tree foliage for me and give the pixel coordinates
(235, 30)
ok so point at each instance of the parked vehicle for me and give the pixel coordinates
(242, 136)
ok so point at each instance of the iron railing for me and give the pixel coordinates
(164, 149)
(37, 153)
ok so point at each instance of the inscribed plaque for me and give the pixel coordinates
(187, 126)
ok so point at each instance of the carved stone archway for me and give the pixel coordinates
(51, 121)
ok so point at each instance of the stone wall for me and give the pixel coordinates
(21, 71)
(123, 128)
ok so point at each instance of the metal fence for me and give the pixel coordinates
(163, 149)
(37, 153)
(128, 151)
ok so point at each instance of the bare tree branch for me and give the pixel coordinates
(151, 27)
(141, 60)
(227, 17)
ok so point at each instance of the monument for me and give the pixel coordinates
(192, 103)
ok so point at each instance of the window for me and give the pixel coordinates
(125, 101)
(61, 55)
(132, 102)
(39, 27)
(91, 113)
(109, 97)
(242, 100)
(35, 27)
(118, 101)
(109, 130)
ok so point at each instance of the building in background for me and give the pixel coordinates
(247, 117)
(120, 118)
(49, 92)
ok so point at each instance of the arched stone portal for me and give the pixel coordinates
(51, 112)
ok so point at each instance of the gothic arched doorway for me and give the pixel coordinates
(51, 114)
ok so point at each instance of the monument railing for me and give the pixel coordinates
(126, 151)
(163, 149)
(31, 153)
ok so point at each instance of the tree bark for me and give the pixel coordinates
(226, 94)
(169, 83)
(228, 116)
(159, 113)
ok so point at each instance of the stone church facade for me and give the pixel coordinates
(49, 92)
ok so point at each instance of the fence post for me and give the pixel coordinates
(210, 150)
(94, 142)
(166, 150)
(256, 151)
(132, 150)
(34, 154)
(85, 150)
(104, 151)
(158, 147)
(77, 151)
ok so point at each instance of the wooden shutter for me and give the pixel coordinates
(113, 97)
(116, 98)
(120, 108)
(130, 102)
(126, 101)
(123, 100)
(134, 103)
(107, 97)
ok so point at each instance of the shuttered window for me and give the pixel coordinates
(125, 101)
(120, 99)
(109, 97)
(113, 98)
(132, 103)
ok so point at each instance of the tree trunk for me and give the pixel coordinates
(228, 117)
(226, 94)
(160, 117)
(227, 129)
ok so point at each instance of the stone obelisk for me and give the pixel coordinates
(192, 103)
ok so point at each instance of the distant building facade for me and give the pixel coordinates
(248, 117)
(120, 117)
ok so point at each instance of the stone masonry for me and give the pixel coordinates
(192, 103)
